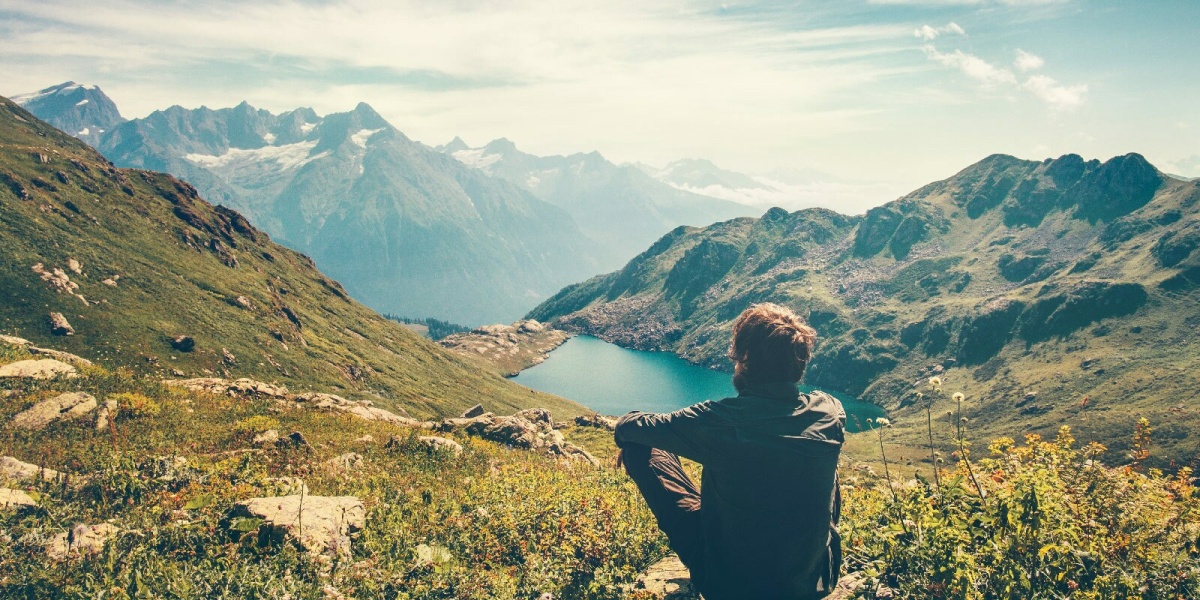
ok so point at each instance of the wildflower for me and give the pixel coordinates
(883, 422)
(959, 397)
(935, 382)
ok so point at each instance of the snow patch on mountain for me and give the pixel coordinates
(82, 102)
(360, 138)
(306, 128)
(477, 158)
(287, 157)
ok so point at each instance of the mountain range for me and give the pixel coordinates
(459, 234)
(1052, 292)
(133, 269)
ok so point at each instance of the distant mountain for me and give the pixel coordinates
(621, 207)
(408, 230)
(133, 259)
(79, 110)
(1056, 292)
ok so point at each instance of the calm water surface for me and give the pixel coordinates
(613, 380)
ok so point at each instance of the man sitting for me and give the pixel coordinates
(763, 523)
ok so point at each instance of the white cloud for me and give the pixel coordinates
(972, 66)
(1027, 61)
(1054, 94)
(927, 33)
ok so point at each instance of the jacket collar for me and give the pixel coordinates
(773, 389)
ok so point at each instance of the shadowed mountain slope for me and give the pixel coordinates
(133, 259)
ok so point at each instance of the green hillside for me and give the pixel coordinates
(155, 261)
(1050, 292)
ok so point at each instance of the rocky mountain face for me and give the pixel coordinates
(1052, 292)
(408, 230)
(621, 207)
(133, 269)
(83, 111)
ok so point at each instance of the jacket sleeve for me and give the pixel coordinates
(692, 432)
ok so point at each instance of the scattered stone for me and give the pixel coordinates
(75, 266)
(366, 439)
(183, 343)
(15, 499)
(16, 470)
(597, 420)
(441, 444)
(178, 373)
(111, 281)
(59, 325)
(238, 387)
(46, 368)
(473, 412)
(1026, 399)
(227, 357)
(322, 525)
(243, 302)
(81, 540)
(64, 406)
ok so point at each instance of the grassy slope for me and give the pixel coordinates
(892, 300)
(173, 282)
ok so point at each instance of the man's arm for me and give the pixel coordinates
(690, 432)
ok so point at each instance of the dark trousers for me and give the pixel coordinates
(673, 498)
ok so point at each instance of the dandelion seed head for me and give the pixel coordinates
(959, 396)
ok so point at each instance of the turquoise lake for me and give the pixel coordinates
(613, 380)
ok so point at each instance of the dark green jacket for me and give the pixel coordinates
(769, 498)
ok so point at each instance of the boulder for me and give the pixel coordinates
(61, 407)
(266, 438)
(538, 416)
(80, 540)
(45, 368)
(530, 326)
(473, 412)
(13, 469)
(15, 499)
(441, 444)
(294, 439)
(59, 325)
(322, 525)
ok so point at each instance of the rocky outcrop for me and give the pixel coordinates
(46, 368)
(509, 348)
(15, 499)
(81, 540)
(64, 407)
(15, 470)
(250, 388)
(519, 431)
(183, 343)
(321, 525)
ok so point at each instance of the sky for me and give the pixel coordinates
(852, 103)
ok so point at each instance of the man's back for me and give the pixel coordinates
(769, 494)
